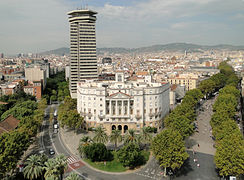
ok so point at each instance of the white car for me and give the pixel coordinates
(51, 151)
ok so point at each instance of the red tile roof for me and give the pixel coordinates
(8, 124)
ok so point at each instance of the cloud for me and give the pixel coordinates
(38, 25)
(160, 21)
(33, 26)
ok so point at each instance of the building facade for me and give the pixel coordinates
(188, 80)
(36, 74)
(83, 58)
(34, 88)
(122, 104)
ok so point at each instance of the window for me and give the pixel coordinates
(94, 98)
(101, 99)
(101, 105)
(119, 78)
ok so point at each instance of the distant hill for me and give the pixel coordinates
(155, 48)
(60, 51)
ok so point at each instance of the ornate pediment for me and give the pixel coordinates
(119, 95)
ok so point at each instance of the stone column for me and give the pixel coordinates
(116, 108)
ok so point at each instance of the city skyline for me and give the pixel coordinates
(41, 26)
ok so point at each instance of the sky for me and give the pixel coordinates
(40, 25)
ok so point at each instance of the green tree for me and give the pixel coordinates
(185, 110)
(29, 125)
(228, 108)
(116, 137)
(21, 110)
(84, 141)
(230, 90)
(232, 80)
(189, 100)
(227, 99)
(229, 157)
(33, 168)
(130, 155)
(219, 80)
(218, 117)
(62, 165)
(180, 123)
(131, 137)
(207, 86)
(225, 128)
(100, 135)
(73, 176)
(42, 104)
(12, 146)
(195, 93)
(97, 152)
(145, 135)
(169, 149)
(51, 170)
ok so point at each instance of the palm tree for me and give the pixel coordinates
(131, 137)
(146, 136)
(73, 176)
(51, 169)
(116, 137)
(100, 135)
(33, 168)
(62, 165)
(85, 140)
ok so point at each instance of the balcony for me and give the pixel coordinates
(151, 114)
(120, 116)
(138, 116)
(101, 116)
(89, 114)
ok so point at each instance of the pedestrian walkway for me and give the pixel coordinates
(72, 160)
(201, 141)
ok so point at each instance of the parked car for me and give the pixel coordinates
(55, 126)
(51, 151)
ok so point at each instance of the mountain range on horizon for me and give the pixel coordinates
(155, 48)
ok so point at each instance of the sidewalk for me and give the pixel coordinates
(72, 140)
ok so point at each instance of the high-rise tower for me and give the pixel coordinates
(83, 58)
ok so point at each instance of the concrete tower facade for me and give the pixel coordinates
(83, 58)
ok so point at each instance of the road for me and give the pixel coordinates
(152, 170)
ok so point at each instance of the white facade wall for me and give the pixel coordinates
(36, 74)
(140, 104)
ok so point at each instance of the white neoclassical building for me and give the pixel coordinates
(122, 104)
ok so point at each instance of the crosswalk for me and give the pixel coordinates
(72, 159)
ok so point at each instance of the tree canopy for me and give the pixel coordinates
(169, 149)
